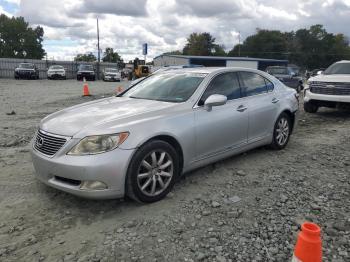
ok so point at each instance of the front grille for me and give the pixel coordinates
(48, 144)
(330, 88)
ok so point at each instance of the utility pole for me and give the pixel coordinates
(98, 51)
(239, 43)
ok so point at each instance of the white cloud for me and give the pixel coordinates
(165, 25)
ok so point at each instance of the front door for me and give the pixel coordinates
(224, 127)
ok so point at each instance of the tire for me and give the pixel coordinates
(143, 182)
(310, 107)
(280, 138)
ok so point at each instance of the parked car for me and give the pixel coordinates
(111, 74)
(26, 71)
(329, 89)
(86, 71)
(139, 142)
(56, 72)
(287, 76)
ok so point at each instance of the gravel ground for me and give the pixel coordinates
(246, 208)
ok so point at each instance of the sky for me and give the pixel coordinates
(70, 25)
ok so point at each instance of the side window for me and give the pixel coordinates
(269, 85)
(225, 84)
(253, 84)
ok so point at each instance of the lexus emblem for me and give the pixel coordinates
(40, 142)
(330, 86)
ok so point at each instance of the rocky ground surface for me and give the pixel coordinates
(246, 208)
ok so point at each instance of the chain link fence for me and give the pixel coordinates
(8, 65)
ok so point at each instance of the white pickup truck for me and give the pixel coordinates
(329, 89)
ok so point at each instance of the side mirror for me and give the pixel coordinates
(215, 100)
(319, 72)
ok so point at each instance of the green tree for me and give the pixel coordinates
(219, 50)
(309, 48)
(200, 44)
(19, 40)
(110, 55)
(264, 44)
(89, 57)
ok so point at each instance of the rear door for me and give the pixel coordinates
(262, 104)
(224, 127)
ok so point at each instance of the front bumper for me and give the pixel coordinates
(111, 78)
(25, 74)
(308, 96)
(109, 168)
(56, 75)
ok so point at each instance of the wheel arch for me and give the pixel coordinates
(292, 117)
(173, 142)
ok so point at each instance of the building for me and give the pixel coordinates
(217, 61)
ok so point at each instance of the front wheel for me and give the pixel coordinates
(310, 107)
(281, 132)
(152, 172)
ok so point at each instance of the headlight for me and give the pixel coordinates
(92, 145)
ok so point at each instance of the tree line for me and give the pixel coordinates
(308, 48)
(19, 40)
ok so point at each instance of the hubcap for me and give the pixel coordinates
(282, 131)
(155, 173)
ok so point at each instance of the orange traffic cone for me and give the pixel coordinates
(309, 245)
(86, 88)
(119, 89)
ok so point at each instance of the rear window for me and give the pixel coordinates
(255, 84)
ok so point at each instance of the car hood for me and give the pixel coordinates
(282, 75)
(96, 116)
(55, 70)
(85, 71)
(331, 78)
(25, 69)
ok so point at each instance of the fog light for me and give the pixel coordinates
(93, 185)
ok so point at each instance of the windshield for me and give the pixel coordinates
(56, 67)
(86, 67)
(26, 66)
(168, 87)
(338, 68)
(111, 70)
(278, 71)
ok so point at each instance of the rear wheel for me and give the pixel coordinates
(281, 132)
(152, 172)
(310, 107)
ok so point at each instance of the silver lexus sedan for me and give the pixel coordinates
(139, 142)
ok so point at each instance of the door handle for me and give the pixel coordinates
(275, 100)
(241, 108)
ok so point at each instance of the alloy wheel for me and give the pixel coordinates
(282, 131)
(155, 173)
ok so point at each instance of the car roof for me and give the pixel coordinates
(343, 62)
(208, 70)
(277, 66)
